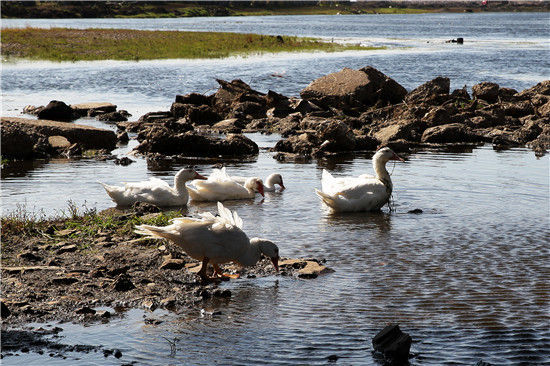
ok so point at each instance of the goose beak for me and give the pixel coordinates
(275, 261)
(282, 186)
(397, 157)
(198, 176)
(261, 189)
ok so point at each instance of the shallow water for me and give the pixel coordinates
(468, 278)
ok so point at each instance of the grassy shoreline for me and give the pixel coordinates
(177, 9)
(63, 44)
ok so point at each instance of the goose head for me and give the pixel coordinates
(188, 174)
(273, 179)
(386, 154)
(269, 249)
(255, 185)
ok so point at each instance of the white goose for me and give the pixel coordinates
(220, 187)
(214, 240)
(154, 191)
(269, 182)
(364, 193)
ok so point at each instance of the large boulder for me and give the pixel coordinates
(160, 139)
(57, 111)
(353, 88)
(434, 91)
(449, 133)
(486, 91)
(26, 138)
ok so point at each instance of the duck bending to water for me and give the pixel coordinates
(214, 239)
(364, 193)
(154, 191)
(269, 182)
(220, 187)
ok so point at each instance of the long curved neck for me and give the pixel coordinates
(381, 173)
(251, 256)
(179, 184)
(269, 182)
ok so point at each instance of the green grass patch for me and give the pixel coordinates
(62, 44)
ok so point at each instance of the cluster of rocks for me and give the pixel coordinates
(346, 111)
(350, 110)
(59, 111)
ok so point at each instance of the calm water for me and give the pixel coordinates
(468, 278)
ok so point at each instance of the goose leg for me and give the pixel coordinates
(218, 271)
(202, 271)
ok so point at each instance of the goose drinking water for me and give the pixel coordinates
(214, 239)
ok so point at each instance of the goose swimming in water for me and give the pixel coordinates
(364, 193)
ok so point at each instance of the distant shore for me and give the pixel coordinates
(62, 44)
(175, 9)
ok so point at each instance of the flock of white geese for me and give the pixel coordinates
(220, 239)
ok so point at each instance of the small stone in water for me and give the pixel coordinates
(416, 211)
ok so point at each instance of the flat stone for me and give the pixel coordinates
(67, 249)
(58, 142)
(83, 108)
(173, 263)
(13, 270)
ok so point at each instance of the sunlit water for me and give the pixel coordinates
(468, 278)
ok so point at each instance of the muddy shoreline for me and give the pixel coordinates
(63, 270)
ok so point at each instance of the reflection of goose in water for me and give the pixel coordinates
(154, 191)
(358, 221)
(214, 239)
(220, 187)
(364, 193)
(269, 182)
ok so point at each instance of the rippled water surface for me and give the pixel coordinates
(468, 278)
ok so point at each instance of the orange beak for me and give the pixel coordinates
(397, 157)
(260, 188)
(198, 176)
(275, 261)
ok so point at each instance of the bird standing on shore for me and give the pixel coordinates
(214, 239)
(364, 193)
(154, 191)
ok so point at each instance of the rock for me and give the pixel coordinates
(364, 142)
(4, 310)
(119, 116)
(123, 137)
(506, 94)
(544, 110)
(332, 358)
(461, 94)
(85, 310)
(306, 268)
(105, 314)
(57, 111)
(58, 142)
(338, 134)
(223, 294)
(393, 132)
(30, 256)
(393, 344)
(156, 117)
(141, 208)
(229, 125)
(486, 91)
(67, 249)
(202, 114)
(452, 132)
(193, 98)
(541, 88)
(31, 109)
(92, 109)
(415, 211)
(298, 144)
(117, 353)
(149, 304)
(173, 263)
(483, 363)
(25, 138)
(168, 302)
(353, 88)
(64, 280)
(193, 144)
(124, 161)
(434, 91)
(123, 283)
(248, 110)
